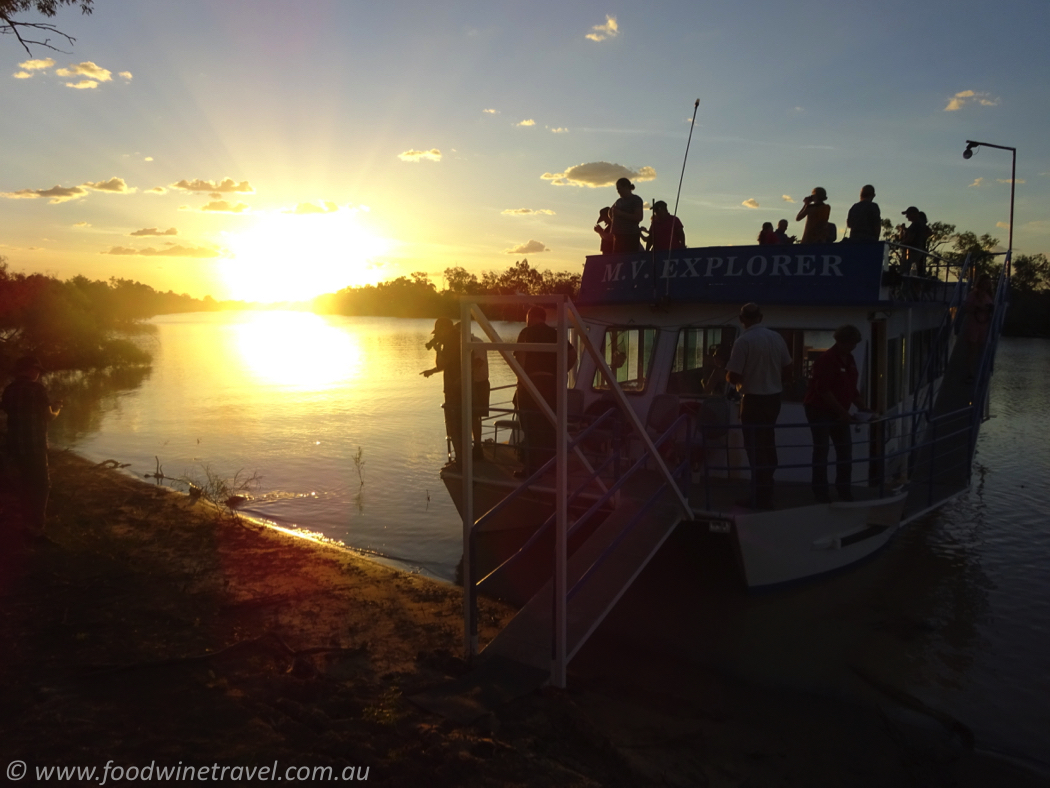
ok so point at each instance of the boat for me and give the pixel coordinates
(649, 439)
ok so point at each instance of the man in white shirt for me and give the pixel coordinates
(758, 365)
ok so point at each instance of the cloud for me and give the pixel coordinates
(751, 202)
(529, 122)
(527, 211)
(84, 84)
(226, 186)
(560, 130)
(115, 185)
(153, 231)
(787, 198)
(491, 111)
(170, 251)
(309, 207)
(86, 69)
(1007, 180)
(126, 75)
(420, 155)
(22, 75)
(157, 190)
(977, 183)
(221, 206)
(36, 65)
(532, 247)
(963, 97)
(596, 174)
(55, 194)
(601, 32)
(1003, 225)
(81, 224)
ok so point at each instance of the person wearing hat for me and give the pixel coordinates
(604, 230)
(916, 236)
(759, 363)
(665, 231)
(816, 212)
(29, 411)
(626, 214)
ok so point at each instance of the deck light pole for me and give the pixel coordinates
(968, 153)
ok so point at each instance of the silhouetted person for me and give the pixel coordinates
(758, 365)
(816, 212)
(832, 391)
(781, 232)
(626, 214)
(665, 231)
(917, 236)
(447, 344)
(864, 219)
(604, 230)
(541, 368)
(768, 236)
(29, 411)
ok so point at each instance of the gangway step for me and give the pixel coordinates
(527, 637)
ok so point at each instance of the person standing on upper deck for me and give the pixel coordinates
(759, 364)
(447, 346)
(916, 237)
(864, 219)
(816, 212)
(604, 230)
(665, 231)
(781, 233)
(626, 214)
(832, 391)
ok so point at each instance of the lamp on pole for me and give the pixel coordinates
(970, 145)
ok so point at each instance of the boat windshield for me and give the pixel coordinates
(629, 353)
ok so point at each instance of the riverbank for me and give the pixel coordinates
(149, 629)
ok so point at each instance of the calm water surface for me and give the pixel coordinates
(955, 612)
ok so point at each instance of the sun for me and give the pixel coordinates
(294, 257)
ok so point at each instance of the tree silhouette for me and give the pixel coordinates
(20, 29)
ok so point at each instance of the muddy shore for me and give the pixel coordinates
(149, 629)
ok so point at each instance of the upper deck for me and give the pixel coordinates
(834, 274)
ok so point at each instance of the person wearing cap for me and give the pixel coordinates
(816, 212)
(832, 391)
(915, 236)
(665, 231)
(759, 363)
(626, 214)
(29, 411)
(604, 230)
(446, 345)
(864, 219)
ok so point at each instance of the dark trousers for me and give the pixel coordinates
(758, 415)
(537, 431)
(33, 487)
(826, 429)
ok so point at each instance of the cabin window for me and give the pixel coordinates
(629, 353)
(699, 361)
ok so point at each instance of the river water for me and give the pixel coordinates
(347, 438)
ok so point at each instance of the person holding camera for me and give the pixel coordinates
(816, 212)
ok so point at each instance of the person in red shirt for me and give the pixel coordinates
(665, 231)
(832, 390)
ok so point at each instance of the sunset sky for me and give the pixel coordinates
(273, 150)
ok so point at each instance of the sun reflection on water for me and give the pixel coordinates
(297, 350)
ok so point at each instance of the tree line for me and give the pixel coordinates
(418, 296)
